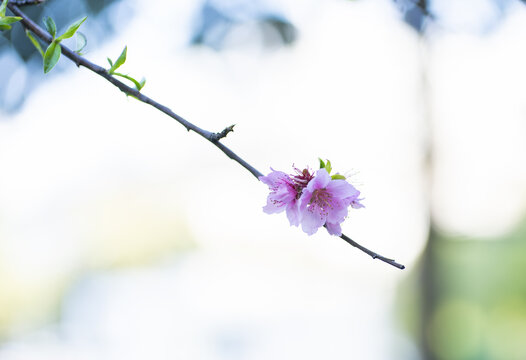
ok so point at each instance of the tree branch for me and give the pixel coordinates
(214, 138)
(372, 253)
(25, 2)
(81, 61)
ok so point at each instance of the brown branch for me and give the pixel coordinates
(210, 136)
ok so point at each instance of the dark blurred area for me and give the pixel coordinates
(419, 13)
(217, 19)
(218, 24)
(20, 62)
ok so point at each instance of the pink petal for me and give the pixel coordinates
(293, 213)
(312, 219)
(334, 228)
(342, 189)
(320, 181)
(338, 212)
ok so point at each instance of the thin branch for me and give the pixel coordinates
(208, 135)
(81, 61)
(372, 253)
(218, 136)
(26, 2)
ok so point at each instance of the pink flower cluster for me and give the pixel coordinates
(312, 200)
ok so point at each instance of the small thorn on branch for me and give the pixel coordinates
(218, 136)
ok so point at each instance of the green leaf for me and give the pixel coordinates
(50, 26)
(138, 85)
(7, 20)
(328, 167)
(322, 164)
(51, 56)
(81, 42)
(109, 60)
(141, 83)
(72, 29)
(338, 177)
(121, 60)
(35, 43)
(3, 7)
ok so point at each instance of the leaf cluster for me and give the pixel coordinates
(118, 63)
(6, 21)
(52, 53)
(327, 166)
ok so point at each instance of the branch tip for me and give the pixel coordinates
(218, 136)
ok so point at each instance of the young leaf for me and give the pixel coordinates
(50, 26)
(119, 61)
(138, 85)
(328, 167)
(81, 42)
(338, 177)
(7, 20)
(142, 83)
(35, 43)
(322, 164)
(51, 56)
(3, 7)
(109, 60)
(72, 29)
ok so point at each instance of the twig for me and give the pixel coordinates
(25, 2)
(210, 136)
(222, 134)
(81, 61)
(372, 253)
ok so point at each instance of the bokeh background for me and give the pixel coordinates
(122, 236)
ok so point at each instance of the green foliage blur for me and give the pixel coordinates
(471, 297)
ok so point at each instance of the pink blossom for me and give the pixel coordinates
(284, 195)
(324, 201)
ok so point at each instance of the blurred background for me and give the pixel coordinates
(122, 236)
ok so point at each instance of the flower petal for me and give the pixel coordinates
(338, 212)
(293, 213)
(342, 189)
(312, 219)
(274, 179)
(356, 204)
(334, 228)
(320, 181)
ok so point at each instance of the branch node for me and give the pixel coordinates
(215, 137)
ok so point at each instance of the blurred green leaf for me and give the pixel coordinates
(50, 26)
(81, 42)
(72, 29)
(3, 7)
(35, 43)
(138, 85)
(328, 167)
(338, 177)
(121, 60)
(141, 83)
(6, 21)
(322, 164)
(51, 56)
(109, 60)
